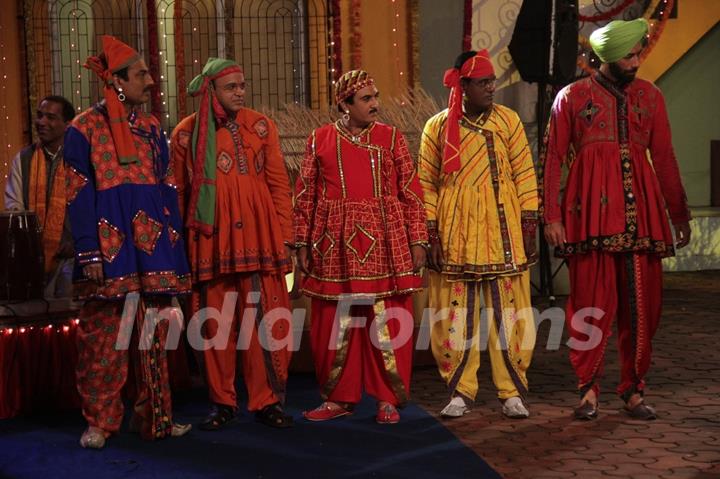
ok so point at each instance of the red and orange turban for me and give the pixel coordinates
(478, 66)
(117, 56)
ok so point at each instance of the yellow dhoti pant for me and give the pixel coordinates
(491, 313)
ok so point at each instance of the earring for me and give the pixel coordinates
(346, 117)
(121, 95)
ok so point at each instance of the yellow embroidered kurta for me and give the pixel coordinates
(479, 210)
(485, 215)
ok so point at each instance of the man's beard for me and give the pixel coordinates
(622, 76)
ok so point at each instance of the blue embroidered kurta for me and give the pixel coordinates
(124, 216)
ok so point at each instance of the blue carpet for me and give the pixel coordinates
(352, 447)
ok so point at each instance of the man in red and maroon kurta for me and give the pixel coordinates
(611, 223)
(235, 193)
(126, 227)
(361, 235)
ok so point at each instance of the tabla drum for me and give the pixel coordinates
(22, 263)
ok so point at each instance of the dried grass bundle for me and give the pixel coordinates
(408, 112)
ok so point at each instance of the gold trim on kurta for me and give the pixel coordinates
(348, 243)
(316, 244)
(338, 146)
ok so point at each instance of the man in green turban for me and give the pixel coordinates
(611, 221)
(618, 45)
(234, 193)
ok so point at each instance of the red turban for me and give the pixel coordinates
(478, 66)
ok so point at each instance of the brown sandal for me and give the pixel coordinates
(274, 416)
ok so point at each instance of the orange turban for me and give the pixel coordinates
(117, 56)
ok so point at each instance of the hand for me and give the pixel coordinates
(303, 259)
(555, 234)
(682, 234)
(94, 272)
(289, 253)
(418, 257)
(436, 260)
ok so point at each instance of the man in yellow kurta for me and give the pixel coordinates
(480, 193)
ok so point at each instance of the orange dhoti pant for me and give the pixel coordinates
(371, 346)
(264, 361)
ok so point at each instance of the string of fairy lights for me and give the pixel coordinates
(48, 328)
(396, 41)
(3, 102)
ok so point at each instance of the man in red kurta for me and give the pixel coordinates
(235, 194)
(611, 222)
(360, 232)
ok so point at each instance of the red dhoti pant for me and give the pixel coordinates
(258, 325)
(367, 345)
(604, 286)
(103, 352)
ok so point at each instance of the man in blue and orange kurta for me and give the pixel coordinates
(611, 222)
(360, 232)
(127, 233)
(235, 194)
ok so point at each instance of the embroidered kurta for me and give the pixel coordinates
(253, 198)
(359, 208)
(480, 211)
(124, 216)
(615, 195)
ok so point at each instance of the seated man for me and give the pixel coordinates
(36, 182)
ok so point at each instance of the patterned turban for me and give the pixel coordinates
(350, 83)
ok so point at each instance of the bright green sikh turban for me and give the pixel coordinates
(616, 39)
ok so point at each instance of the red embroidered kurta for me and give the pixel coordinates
(616, 195)
(359, 208)
(253, 198)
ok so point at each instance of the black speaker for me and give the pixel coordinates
(544, 42)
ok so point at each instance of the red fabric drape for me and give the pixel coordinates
(336, 39)
(154, 57)
(37, 369)
(467, 26)
(180, 61)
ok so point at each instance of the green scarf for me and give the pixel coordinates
(201, 209)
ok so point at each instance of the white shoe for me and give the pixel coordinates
(455, 408)
(514, 408)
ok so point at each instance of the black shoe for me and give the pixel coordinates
(274, 416)
(641, 411)
(586, 411)
(218, 418)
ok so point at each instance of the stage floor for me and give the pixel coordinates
(683, 385)
(683, 443)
